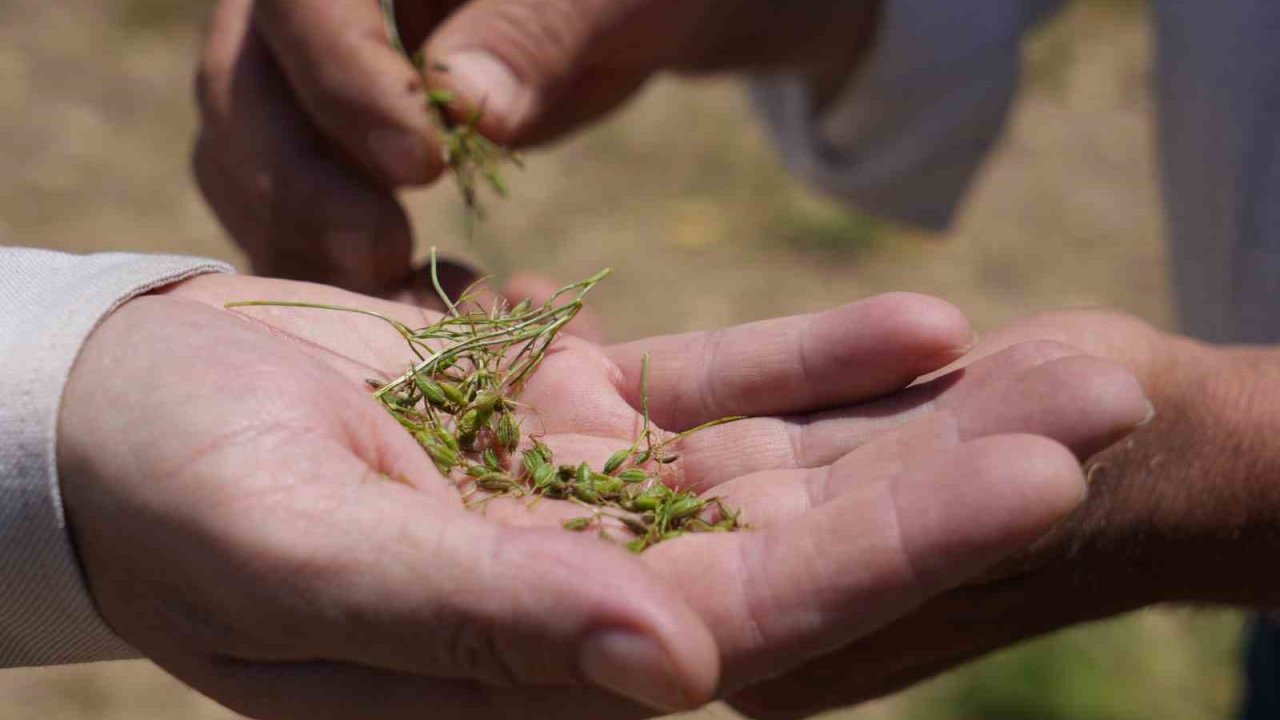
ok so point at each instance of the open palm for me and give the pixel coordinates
(865, 499)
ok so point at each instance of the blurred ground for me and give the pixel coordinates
(682, 197)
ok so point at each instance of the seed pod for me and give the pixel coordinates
(495, 482)
(508, 432)
(615, 461)
(523, 307)
(532, 462)
(685, 506)
(443, 436)
(647, 501)
(477, 471)
(542, 449)
(544, 477)
(453, 394)
(586, 494)
(468, 424)
(487, 401)
(668, 459)
(633, 476)
(490, 460)
(440, 98)
(444, 458)
(431, 390)
(643, 457)
(638, 545)
(578, 524)
(634, 524)
(402, 400)
(607, 484)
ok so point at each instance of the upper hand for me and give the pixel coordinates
(310, 119)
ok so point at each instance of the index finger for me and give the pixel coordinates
(798, 364)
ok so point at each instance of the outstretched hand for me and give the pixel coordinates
(278, 570)
(1182, 511)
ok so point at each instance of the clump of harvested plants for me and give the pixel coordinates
(459, 400)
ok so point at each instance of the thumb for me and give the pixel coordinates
(513, 59)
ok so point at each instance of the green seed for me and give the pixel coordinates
(685, 506)
(508, 432)
(648, 501)
(440, 98)
(495, 483)
(490, 460)
(578, 524)
(444, 458)
(487, 401)
(616, 460)
(532, 462)
(583, 474)
(453, 393)
(633, 476)
(544, 477)
(468, 425)
(607, 485)
(431, 390)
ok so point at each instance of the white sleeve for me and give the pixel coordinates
(49, 303)
(914, 121)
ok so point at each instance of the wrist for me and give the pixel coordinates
(1188, 508)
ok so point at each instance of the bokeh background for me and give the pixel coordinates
(681, 194)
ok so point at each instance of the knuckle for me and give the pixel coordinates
(543, 40)
(471, 648)
(1034, 353)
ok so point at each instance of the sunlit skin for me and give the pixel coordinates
(270, 564)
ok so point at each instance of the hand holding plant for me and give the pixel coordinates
(256, 524)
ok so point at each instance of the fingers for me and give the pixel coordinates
(524, 62)
(779, 596)
(1039, 388)
(298, 209)
(348, 566)
(954, 628)
(800, 364)
(358, 89)
(334, 691)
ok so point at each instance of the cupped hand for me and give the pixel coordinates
(1182, 510)
(863, 503)
(311, 119)
(248, 518)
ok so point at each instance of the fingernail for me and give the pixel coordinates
(401, 156)
(973, 343)
(633, 666)
(487, 82)
(1149, 417)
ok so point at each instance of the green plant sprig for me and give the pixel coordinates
(459, 400)
(471, 158)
